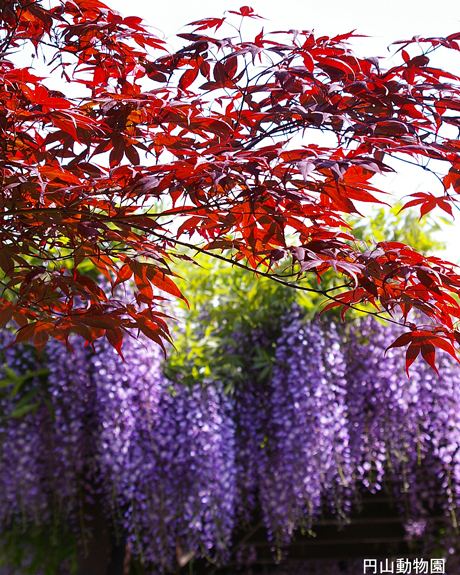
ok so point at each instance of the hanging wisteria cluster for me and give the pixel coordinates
(306, 459)
(176, 469)
(403, 428)
(166, 454)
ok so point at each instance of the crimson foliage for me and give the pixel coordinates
(141, 136)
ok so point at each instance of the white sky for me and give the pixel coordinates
(384, 21)
(388, 20)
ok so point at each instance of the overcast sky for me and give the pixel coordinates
(384, 22)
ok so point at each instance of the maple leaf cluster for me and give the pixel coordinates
(144, 152)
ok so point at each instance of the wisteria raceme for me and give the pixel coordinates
(307, 454)
(24, 484)
(54, 475)
(127, 395)
(406, 429)
(441, 470)
(251, 413)
(74, 427)
(388, 422)
(166, 456)
(196, 454)
(384, 406)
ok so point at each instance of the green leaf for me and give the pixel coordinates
(11, 374)
(24, 410)
(6, 382)
(20, 380)
(23, 406)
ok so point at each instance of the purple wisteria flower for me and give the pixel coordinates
(306, 460)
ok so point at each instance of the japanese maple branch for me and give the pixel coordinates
(324, 292)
